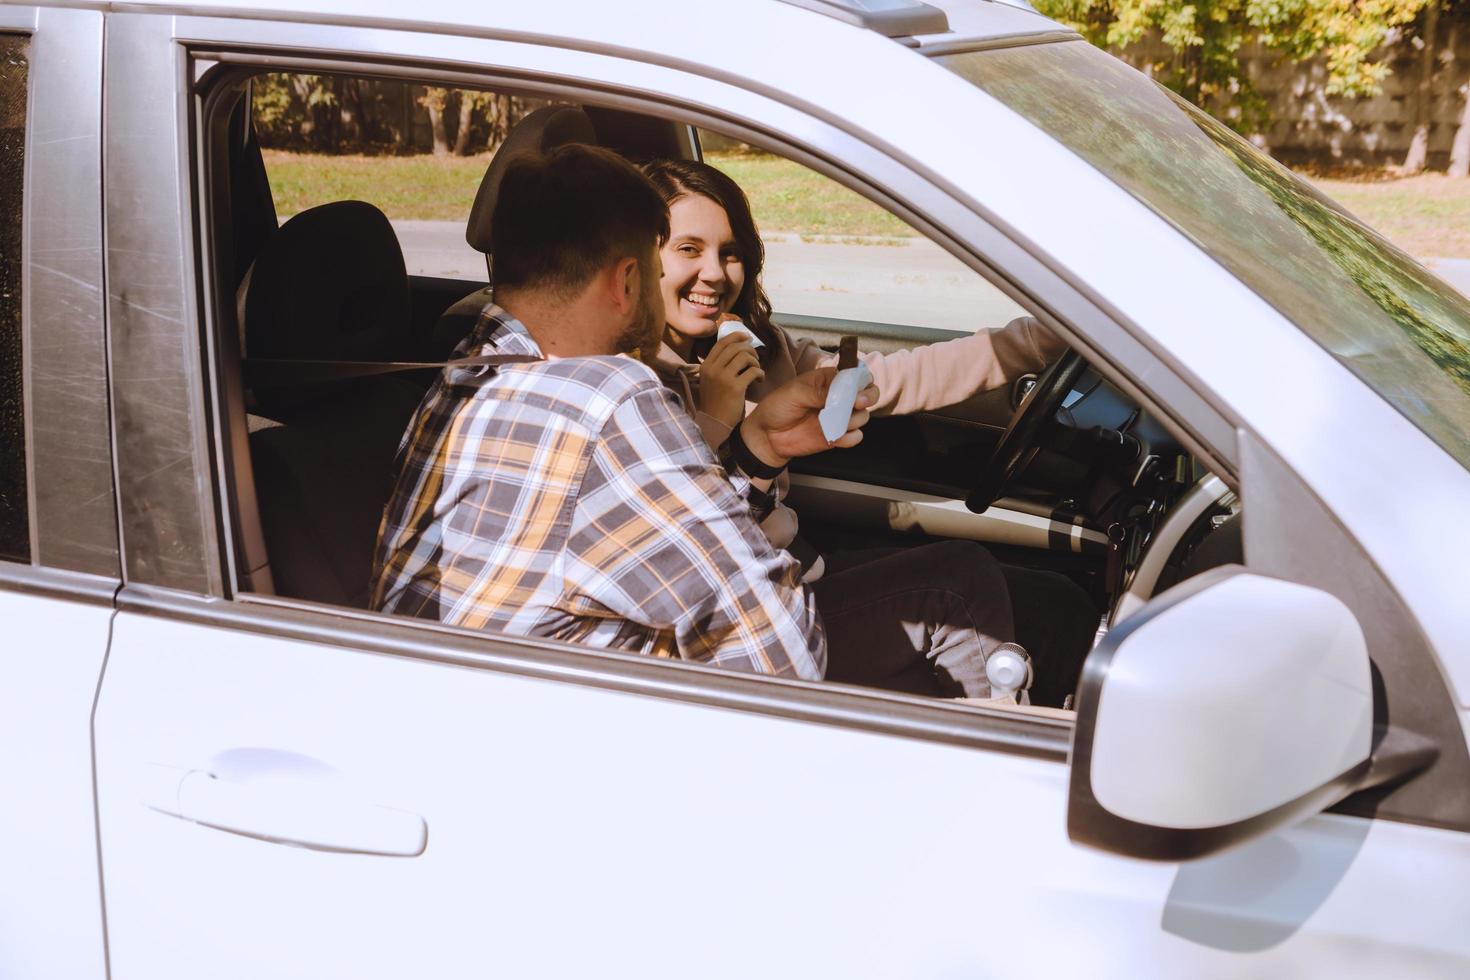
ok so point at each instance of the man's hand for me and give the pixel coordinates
(731, 367)
(784, 425)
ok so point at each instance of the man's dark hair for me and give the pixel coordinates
(562, 217)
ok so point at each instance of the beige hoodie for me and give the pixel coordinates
(919, 380)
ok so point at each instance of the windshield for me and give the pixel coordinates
(1391, 322)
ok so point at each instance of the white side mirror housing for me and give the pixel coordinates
(1227, 707)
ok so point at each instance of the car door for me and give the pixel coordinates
(288, 789)
(368, 797)
(58, 537)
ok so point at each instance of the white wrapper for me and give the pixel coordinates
(735, 326)
(840, 399)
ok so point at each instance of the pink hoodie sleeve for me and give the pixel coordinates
(936, 375)
(715, 432)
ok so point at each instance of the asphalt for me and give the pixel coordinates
(1456, 272)
(886, 280)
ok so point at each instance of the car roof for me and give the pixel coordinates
(969, 21)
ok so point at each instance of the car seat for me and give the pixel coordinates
(540, 132)
(330, 285)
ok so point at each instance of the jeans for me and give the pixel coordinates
(923, 620)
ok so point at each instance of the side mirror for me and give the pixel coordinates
(1227, 707)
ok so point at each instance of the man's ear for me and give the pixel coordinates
(625, 285)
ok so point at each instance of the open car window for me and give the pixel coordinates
(318, 460)
(831, 254)
(416, 152)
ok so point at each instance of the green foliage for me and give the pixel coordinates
(1206, 38)
(274, 116)
(334, 114)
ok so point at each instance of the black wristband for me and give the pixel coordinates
(750, 464)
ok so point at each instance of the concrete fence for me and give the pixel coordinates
(1308, 126)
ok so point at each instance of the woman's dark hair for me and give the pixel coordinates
(677, 178)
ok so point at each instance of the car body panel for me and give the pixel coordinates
(639, 818)
(574, 831)
(56, 630)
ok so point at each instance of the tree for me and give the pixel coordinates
(469, 104)
(360, 115)
(1206, 39)
(500, 115)
(434, 100)
(1420, 104)
(344, 114)
(1460, 149)
(316, 97)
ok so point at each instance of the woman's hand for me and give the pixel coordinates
(731, 367)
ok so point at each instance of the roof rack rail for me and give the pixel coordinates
(891, 18)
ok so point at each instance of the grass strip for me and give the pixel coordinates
(1427, 215)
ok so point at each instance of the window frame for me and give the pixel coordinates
(27, 513)
(71, 494)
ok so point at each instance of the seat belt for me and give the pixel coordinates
(268, 373)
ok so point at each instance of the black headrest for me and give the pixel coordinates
(329, 285)
(540, 132)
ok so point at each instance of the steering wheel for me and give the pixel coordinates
(1019, 443)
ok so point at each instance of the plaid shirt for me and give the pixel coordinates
(574, 499)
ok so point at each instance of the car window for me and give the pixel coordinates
(832, 253)
(415, 151)
(1372, 307)
(323, 456)
(14, 524)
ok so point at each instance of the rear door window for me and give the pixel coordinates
(14, 511)
(416, 152)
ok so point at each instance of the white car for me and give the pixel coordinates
(216, 763)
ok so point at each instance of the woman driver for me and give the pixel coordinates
(925, 618)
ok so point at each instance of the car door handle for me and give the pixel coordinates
(298, 812)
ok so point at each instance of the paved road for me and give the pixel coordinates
(913, 281)
(1456, 272)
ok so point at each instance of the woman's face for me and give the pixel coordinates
(703, 274)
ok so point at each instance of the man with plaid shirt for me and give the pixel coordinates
(564, 492)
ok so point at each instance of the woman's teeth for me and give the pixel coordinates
(708, 303)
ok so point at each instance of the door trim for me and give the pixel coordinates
(52, 583)
(993, 729)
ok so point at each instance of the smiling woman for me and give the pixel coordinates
(712, 262)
